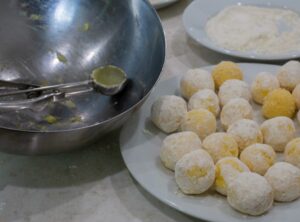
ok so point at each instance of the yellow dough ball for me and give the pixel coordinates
(200, 121)
(258, 157)
(195, 172)
(235, 110)
(195, 80)
(277, 132)
(296, 94)
(262, 85)
(176, 146)
(292, 152)
(206, 99)
(224, 71)
(245, 132)
(289, 75)
(220, 145)
(279, 102)
(226, 171)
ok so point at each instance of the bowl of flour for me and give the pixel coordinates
(248, 29)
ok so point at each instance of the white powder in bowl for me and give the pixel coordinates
(256, 29)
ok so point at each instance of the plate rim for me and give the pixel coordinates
(214, 47)
(163, 4)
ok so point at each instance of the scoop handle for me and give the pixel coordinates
(26, 104)
(46, 88)
(17, 85)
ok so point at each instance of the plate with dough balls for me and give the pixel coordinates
(221, 143)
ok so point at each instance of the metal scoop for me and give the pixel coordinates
(107, 80)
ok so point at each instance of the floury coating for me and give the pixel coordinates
(256, 29)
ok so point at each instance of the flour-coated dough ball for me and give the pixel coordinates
(176, 145)
(289, 75)
(195, 172)
(220, 145)
(245, 132)
(206, 99)
(226, 70)
(195, 80)
(285, 180)
(292, 152)
(232, 89)
(167, 113)
(226, 171)
(234, 110)
(200, 121)
(258, 157)
(250, 193)
(277, 132)
(263, 84)
(296, 94)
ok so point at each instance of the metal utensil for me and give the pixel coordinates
(36, 104)
(20, 86)
(97, 85)
(17, 85)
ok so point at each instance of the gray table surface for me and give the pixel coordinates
(93, 184)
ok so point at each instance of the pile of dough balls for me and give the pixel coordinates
(217, 142)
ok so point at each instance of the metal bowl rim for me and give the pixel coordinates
(117, 116)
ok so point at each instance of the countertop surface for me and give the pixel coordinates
(93, 184)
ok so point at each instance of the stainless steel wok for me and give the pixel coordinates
(44, 42)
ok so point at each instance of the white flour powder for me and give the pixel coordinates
(256, 29)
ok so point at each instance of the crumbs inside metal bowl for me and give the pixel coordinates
(47, 42)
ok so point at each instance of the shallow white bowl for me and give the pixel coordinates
(199, 12)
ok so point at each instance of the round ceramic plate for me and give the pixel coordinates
(140, 146)
(199, 12)
(162, 3)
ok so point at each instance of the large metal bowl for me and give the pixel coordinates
(85, 34)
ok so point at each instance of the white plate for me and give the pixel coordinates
(161, 3)
(140, 146)
(199, 12)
